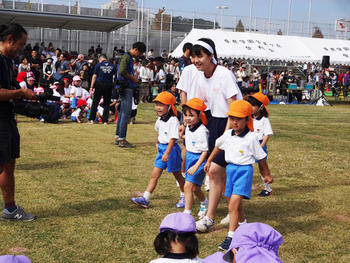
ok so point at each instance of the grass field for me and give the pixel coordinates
(79, 184)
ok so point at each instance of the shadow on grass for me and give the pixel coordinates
(85, 208)
(49, 165)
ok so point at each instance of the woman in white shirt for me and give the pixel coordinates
(217, 87)
(161, 78)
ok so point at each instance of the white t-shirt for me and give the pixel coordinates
(23, 84)
(186, 81)
(172, 260)
(77, 91)
(262, 128)
(197, 141)
(100, 110)
(85, 94)
(215, 91)
(167, 130)
(144, 74)
(67, 90)
(240, 150)
(76, 113)
(160, 75)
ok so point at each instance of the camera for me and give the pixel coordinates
(45, 106)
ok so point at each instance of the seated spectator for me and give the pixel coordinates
(251, 243)
(21, 79)
(48, 71)
(176, 240)
(24, 66)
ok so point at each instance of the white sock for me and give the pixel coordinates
(186, 211)
(182, 194)
(230, 234)
(147, 195)
(267, 186)
(242, 223)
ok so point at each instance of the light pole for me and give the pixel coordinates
(270, 12)
(289, 14)
(250, 15)
(309, 18)
(222, 8)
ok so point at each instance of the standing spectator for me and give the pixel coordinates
(102, 85)
(144, 86)
(185, 59)
(161, 78)
(240, 74)
(150, 54)
(256, 76)
(128, 82)
(35, 64)
(346, 83)
(91, 50)
(98, 50)
(64, 69)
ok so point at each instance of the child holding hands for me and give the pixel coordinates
(196, 141)
(169, 152)
(262, 128)
(241, 150)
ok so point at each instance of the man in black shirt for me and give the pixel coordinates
(12, 40)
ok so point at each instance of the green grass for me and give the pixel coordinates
(79, 184)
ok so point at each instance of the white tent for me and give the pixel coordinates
(254, 46)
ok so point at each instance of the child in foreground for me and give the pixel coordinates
(177, 241)
(252, 243)
(262, 128)
(241, 150)
(169, 152)
(196, 138)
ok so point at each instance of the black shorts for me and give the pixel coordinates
(216, 127)
(9, 141)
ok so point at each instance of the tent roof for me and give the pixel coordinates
(64, 21)
(254, 46)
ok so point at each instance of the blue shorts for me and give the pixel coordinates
(239, 180)
(174, 162)
(198, 176)
(74, 119)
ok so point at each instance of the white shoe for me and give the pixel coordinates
(225, 221)
(203, 209)
(206, 183)
(205, 224)
(105, 123)
(91, 122)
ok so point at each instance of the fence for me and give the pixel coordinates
(158, 28)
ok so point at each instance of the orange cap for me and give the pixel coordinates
(199, 105)
(262, 98)
(241, 109)
(167, 98)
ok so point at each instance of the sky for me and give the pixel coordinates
(323, 11)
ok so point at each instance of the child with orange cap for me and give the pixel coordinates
(241, 150)
(196, 141)
(169, 152)
(262, 128)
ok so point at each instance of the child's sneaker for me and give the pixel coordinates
(225, 221)
(181, 203)
(203, 209)
(264, 193)
(226, 244)
(18, 215)
(206, 183)
(205, 224)
(140, 201)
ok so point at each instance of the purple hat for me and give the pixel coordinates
(256, 242)
(14, 259)
(178, 223)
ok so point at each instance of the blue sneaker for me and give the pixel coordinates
(226, 244)
(181, 203)
(140, 201)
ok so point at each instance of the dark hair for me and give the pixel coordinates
(13, 29)
(254, 102)
(196, 50)
(140, 46)
(104, 56)
(186, 46)
(188, 240)
(186, 108)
